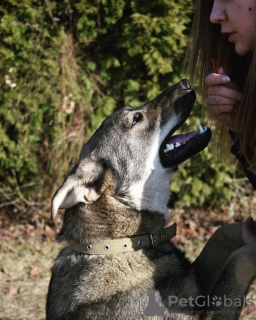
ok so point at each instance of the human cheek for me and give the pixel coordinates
(244, 40)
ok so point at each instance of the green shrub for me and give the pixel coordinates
(67, 65)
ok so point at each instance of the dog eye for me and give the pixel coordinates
(136, 118)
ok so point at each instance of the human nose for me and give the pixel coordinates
(218, 13)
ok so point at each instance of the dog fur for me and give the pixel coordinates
(120, 188)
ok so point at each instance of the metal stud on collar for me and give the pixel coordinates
(127, 244)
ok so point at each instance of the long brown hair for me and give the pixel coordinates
(208, 43)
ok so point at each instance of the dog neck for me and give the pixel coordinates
(123, 245)
(107, 219)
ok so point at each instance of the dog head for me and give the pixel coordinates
(133, 154)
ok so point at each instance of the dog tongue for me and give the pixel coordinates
(181, 138)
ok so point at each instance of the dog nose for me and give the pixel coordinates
(185, 85)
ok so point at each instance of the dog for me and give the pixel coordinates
(119, 262)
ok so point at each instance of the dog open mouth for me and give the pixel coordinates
(176, 149)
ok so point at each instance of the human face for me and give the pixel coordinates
(237, 19)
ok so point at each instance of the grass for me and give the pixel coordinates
(27, 255)
(24, 277)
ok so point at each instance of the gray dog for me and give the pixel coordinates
(119, 263)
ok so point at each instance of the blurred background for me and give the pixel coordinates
(64, 67)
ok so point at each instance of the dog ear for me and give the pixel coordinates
(83, 184)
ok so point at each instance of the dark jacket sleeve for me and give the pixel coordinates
(234, 150)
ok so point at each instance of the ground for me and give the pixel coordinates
(28, 249)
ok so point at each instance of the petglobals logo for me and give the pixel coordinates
(208, 301)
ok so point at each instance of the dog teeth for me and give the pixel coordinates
(168, 147)
(171, 146)
(201, 129)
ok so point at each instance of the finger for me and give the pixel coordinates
(214, 79)
(216, 111)
(219, 100)
(224, 91)
(232, 85)
(229, 84)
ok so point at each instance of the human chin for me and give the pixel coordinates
(242, 49)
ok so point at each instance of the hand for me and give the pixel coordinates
(249, 231)
(223, 99)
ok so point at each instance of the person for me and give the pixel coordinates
(224, 39)
(224, 31)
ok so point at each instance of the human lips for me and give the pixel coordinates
(231, 37)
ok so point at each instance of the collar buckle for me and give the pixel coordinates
(152, 240)
(112, 246)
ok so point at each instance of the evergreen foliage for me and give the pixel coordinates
(66, 65)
